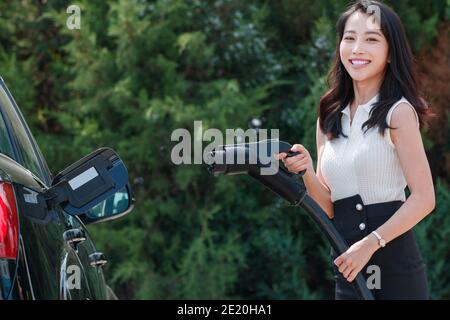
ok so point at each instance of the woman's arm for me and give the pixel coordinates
(414, 163)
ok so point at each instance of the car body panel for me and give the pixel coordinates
(45, 266)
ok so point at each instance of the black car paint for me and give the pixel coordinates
(44, 256)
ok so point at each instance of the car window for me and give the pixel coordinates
(25, 148)
(5, 142)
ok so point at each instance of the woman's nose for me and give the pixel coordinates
(357, 48)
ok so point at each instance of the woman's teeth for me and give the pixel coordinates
(359, 62)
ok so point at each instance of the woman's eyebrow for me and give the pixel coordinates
(367, 32)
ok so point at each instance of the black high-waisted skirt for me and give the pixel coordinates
(399, 265)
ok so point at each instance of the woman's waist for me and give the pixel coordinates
(355, 205)
(372, 195)
(353, 218)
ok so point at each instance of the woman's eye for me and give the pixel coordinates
(348, 38)
(372, 39)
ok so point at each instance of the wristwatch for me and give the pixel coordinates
(381, 241)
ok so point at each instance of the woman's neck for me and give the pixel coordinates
(365, 91)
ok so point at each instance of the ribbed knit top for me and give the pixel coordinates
(365, 164)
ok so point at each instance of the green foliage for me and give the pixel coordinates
(448, 9)
(433, 234)
(136, 71)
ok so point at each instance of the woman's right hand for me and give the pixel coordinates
(298, 163)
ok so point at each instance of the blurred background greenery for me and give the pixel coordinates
(137, 70)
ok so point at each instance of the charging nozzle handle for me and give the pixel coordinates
(282, 184)
(337, 242)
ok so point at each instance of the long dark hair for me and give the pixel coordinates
(399, 79)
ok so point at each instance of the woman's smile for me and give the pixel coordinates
(359, 63)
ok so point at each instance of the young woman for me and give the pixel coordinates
(369, 148)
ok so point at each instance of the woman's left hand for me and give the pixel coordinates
(356, 257)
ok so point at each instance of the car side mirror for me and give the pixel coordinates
(89, 181)
(115, 206)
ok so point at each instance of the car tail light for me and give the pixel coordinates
(9, 229)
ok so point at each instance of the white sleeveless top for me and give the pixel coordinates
(365, 164)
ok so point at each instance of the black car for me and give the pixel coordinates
(45, 249)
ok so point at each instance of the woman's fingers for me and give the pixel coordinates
(345, 266)
(296, 163)
(299, 148)
(347, 271)
(298, 168)
(341, 262)
(352, 275)
(280, 156)
(292, 160)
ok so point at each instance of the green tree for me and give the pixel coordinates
(136, 71)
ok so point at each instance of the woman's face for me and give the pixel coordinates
(364, 49)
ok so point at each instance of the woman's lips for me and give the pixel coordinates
(359, 63)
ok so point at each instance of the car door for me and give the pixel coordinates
(52, 258)
(92, 266)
